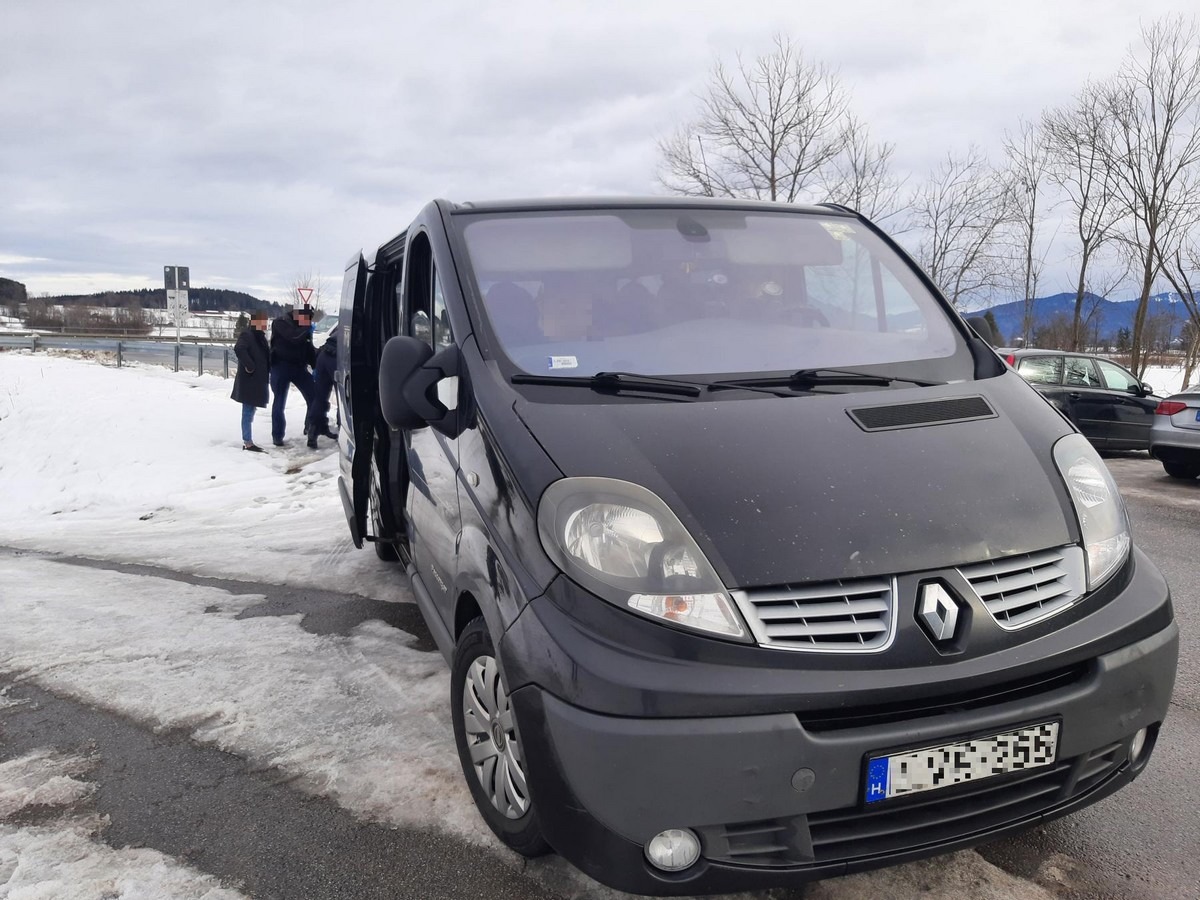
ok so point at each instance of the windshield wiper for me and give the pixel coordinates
(820, 376)
(615, 382)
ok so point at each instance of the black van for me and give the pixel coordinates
(752, 562)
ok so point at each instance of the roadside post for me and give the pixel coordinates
(176, 278)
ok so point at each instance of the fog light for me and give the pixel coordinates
(1137, 745)
(673, 850)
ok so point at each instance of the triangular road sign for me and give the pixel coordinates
(305, 294)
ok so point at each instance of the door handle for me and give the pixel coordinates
(1074, 395)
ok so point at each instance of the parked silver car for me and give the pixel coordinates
(1175, 434)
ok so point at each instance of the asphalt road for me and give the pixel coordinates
(214, 811)
(1143, 842)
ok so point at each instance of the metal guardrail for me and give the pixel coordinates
(212, 358)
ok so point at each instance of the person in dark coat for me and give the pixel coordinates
(250, 384)
(291, 355)
(318, 407)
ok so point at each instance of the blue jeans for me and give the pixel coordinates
(282, 375)
(247, 419)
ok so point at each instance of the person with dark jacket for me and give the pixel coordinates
(251, 381)
(318, 407)
(291, 354)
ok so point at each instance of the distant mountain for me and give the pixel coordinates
(156, 298)
(1109, 317)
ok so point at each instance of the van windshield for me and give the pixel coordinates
(698, 291)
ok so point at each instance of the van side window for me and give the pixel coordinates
(419, 295)
(442, 336)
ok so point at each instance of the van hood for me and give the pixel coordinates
(780, 490)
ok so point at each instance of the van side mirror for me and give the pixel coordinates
(410, 376)
(402, 356)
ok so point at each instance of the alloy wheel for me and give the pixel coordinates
(492, 738)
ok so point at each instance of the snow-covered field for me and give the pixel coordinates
(142, 465)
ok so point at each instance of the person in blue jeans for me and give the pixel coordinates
(250, 381)
(292, 355)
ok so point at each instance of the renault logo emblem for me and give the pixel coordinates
(937, 610)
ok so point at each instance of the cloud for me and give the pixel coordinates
(245, 140)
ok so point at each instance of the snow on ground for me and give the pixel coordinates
(362, 719)
(62, 858)
(42, 778)
(1166, 381)
(144, 465)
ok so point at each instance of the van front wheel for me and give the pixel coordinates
(489, 747)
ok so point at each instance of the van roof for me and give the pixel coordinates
(652, 202)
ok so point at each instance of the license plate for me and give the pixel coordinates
(930, 768)
(1198, 415)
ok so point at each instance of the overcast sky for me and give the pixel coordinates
(255, 141)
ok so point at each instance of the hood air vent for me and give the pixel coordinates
(915, 415)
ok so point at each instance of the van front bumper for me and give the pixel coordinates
(777, 798)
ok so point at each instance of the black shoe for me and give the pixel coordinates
(280, 443)
(332, 435)
(253, 448)
(312, 442)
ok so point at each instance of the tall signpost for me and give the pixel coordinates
(176, 280)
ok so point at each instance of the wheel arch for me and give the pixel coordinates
(466, 610)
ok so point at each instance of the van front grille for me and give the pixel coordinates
(1021, 590)
(838, 616)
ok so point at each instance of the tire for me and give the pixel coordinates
(1185, 469)
(484, 726)
(385, 551)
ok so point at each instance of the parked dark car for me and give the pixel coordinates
(752, 563)
(1108, 403)
(1175, 436)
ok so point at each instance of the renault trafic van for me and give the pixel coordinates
(752, 562)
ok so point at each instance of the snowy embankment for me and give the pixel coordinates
(144, 465)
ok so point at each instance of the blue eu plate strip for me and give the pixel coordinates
(877, 779)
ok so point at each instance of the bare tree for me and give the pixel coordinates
(959, 213)
(1027, 163)
(1101, 282)
(862, 178)
(1076, 141)
(1190, 335)
(307, 280)
(768, 130)
(1154, 106)
(1182, 270)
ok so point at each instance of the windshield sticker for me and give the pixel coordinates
(839, 231)
(564, 362)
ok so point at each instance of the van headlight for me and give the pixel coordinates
(1098, 506)
(621, 542)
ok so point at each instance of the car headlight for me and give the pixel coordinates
(1098, 506)
(621, 542)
